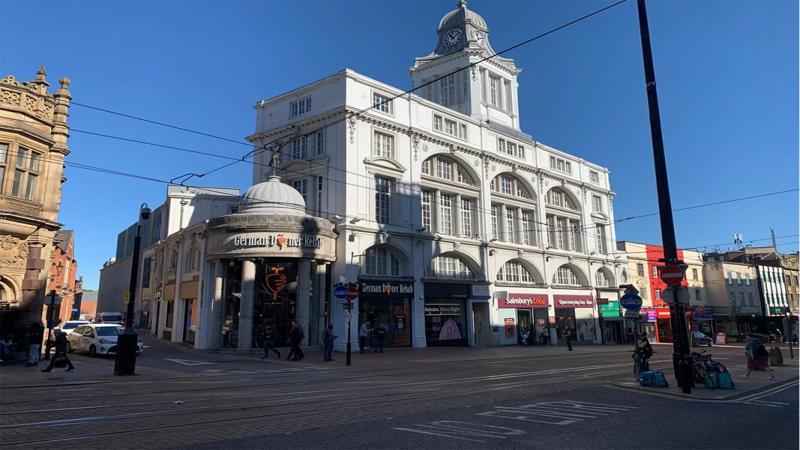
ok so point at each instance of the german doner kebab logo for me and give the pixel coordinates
(279, 240)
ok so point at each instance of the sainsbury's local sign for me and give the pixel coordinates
(280, 241)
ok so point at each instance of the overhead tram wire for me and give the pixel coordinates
(356, 113)
(412, 189)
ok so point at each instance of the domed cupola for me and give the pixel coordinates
(272, 197)
(460, 17)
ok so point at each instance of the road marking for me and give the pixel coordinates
(565, 412)
(454, 429)
(189, 362)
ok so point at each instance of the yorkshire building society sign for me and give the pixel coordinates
(280, 241)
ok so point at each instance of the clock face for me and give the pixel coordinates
(452, 37)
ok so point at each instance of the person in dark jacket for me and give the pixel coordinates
(61, 353)
(327, 340)
(296, 336)
(569, 335)
(270, 342)
(380, 337)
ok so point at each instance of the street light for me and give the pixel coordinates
(127, 342)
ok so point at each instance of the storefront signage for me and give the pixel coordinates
(443, 309)
(611, 309)
(277, 240)
(386, 288)
(523, 301)
(662, 313)
(573, 301)
(649, 313)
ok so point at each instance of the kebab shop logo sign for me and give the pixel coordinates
(277, 240)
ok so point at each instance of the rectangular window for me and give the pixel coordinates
(730, 278)
(495, 224)
(658, 294)
(383, 192)
(448, 90)
(594, 177)
(3, 158)
(741, 298)
(146, 272)
(563, 233)
(494, 91)
(301, 106)
(299, 147)
(382, 103)
(427, 200)
(597, 204)
(437, 123)
(320, 142)
(444, 169)
(574, 235)
(600, 235)
(560, 165)
(446, 214)
(747, 280)
(697, 293)
(501, 145)
(640, 269)
(383, 145)
(655, 271)
(643, 293)
(466, 216)
(301, 186)
(462, 131)
(319, 196)
(733, 298)
(750, 299)
(16, 188)
(450, 127)
(511, 223)
(528, 228)
(694, 274)
(506, 185)
(738, 278)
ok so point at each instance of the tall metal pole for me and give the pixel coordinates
(681, 354)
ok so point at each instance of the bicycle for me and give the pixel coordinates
(704, 364)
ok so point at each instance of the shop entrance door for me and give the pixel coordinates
(524, 322)
(480, 313)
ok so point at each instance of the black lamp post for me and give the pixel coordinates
(127, 342)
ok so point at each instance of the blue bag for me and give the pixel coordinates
(719, 380)
(653, 378)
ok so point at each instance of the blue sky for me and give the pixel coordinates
(727, 75)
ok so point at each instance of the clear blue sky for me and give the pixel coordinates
(727, 75)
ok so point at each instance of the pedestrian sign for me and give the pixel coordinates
(631, 302)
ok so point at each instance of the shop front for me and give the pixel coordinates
(647, 323)
(387, 303)
(576, 311)
(522, 312)
(663, 325)
(446, 314)
(263, 266)
(611, 321)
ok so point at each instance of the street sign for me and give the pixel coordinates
(673, 275)
(631, 302)
(352, 292)
(340, 291)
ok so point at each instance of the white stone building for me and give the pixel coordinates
(457, 225)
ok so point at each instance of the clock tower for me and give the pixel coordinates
(486, 91)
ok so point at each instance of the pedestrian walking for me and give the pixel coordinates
(757, 357)
(363, 332)
(569, 335)
(327, 340)
(380, 337)
(60, 358)
(296, 336)
(270, 342)
(35, 336)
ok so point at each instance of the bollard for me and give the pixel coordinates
(775, 357)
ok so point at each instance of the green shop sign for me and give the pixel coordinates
(610, 309)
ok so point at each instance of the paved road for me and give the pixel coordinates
(435, 398)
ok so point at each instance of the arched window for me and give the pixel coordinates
(509, 185)
(514, 272)
(381, 261)
(564, 276)
(449, 267)
(559, 198)
(449, 197)
(602, 279)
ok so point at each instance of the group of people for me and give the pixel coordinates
(34, 335)
(378, 337)
(296, 336)
(529, 335)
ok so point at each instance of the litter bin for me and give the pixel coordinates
(775, 357)
(722, 338)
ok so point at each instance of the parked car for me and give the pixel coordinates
(97, 339)
(70, 325)
(109, 317)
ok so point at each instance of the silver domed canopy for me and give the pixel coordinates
(460, 16)
(272, 197)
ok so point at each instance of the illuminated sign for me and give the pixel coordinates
(277, 240)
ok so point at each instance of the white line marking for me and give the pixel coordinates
(189, 362)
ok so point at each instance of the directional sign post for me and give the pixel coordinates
(347, 292)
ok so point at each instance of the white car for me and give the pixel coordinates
(97, 339)
(70, 325)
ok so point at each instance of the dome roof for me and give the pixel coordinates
(272, 197)
(457, 17)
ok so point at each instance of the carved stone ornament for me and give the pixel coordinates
(474, 74)
(351, 121)
(425, 147)
(13, 252)
(415, 145)
(477, 162)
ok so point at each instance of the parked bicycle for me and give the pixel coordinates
(704, 364)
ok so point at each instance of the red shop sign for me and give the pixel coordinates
(662, 313)
(573, 301)
(523, 301)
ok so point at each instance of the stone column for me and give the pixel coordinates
(437, 218)
(246, 305)
(217, 303)
(302, 311)
(502, 226)
(458, 228)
